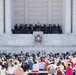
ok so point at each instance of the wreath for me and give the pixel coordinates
(38, 38)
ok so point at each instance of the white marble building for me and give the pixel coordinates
(61, 12)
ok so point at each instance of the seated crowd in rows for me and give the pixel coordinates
(55, 64)
(29, 29)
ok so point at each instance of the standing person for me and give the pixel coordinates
(59, 72)
(72, 63)
(41, 65)
(10, 69)
(30, 62)
(19, 71)
(25, 66)
(35, 67)
(75, 68)
(16, 27)
(0, 65)
(3, 70)
(69, 70)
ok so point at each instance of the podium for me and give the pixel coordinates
(37, 32)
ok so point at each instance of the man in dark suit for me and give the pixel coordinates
(35, 27)
(16, 29)
(45, 29)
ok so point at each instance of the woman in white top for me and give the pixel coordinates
(35, 66)
(3, 71)
(10, 69)
(41, 65)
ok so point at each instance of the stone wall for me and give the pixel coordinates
(49, 40)
(34, 11)
(52, 42)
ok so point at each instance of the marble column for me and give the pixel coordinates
(67, 18)
(8, 16)
(1, 16)
(74, 16)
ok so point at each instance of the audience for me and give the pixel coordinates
(55, 64)
(29, 29)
